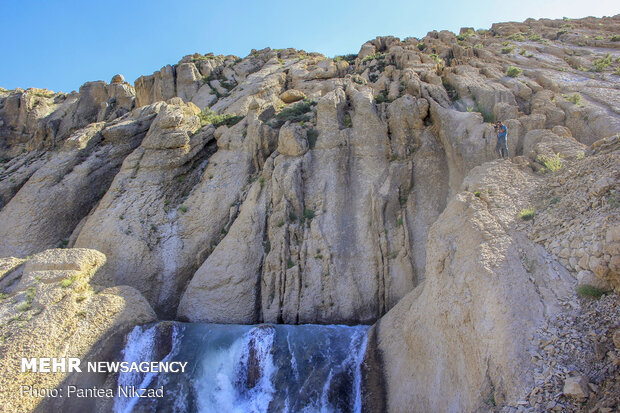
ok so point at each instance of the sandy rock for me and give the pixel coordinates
(118, 79)
(292, 95)
(291, 141)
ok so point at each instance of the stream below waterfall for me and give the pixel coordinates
(248, 369)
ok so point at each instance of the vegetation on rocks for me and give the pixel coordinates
(208, 117)
(527, 214)
(513, 71)
(587, 290)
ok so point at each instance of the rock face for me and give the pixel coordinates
(54, 309)
(287, 187)
(489, 289)
(479, 306)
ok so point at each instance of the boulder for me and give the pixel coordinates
(118, 79)
(291, 140)
(56, 312)
(292, 95)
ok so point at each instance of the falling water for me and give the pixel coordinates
(250, 369)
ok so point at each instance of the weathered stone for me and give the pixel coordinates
(576, 387)
(118, 79)
(292, 95)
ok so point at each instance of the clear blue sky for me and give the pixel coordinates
(59, 45)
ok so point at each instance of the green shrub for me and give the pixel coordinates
(383, 97)
(516, 37)
(292, 216)
(465, 35)
(575, 99)
(206, 57)
(615, 38)
(25, 306)
(347, 121)
(183, 208)
(522, 52)
(513, 71)
(602, 63)
(31, 292)
(67, 282)
(403, 199)
(43, 93)
(421, 46)
(227, 85)
(350, 58)
(295, 113)
(535, 37)
(508, 49)
(477, 194)
(590, 291)
(289, 263)
(208, 117)
(374, 56)
(312, 135)
(308, 213)
(527, 214)
(552, 163)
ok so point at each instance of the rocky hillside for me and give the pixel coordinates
(287, 187)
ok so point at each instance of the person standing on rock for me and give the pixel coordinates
(501, 147)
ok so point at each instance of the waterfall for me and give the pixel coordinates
(250, 369)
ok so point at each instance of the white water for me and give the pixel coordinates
(251, 369)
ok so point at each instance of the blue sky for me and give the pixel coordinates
(59, 45)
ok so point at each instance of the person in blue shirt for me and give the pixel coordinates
(501, 147)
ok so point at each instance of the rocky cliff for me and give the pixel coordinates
(287, 187)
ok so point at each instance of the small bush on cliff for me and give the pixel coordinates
(312, 136)
(296, 113)
(527, 214)
(591, 291)
(552, 163)
(350, 58)
(207, 117)
(308, 214)
(65, 283)
(518, 37)
(575, 99)
(513, 71)
(602, 63)
(383, 97)
(374, 56)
